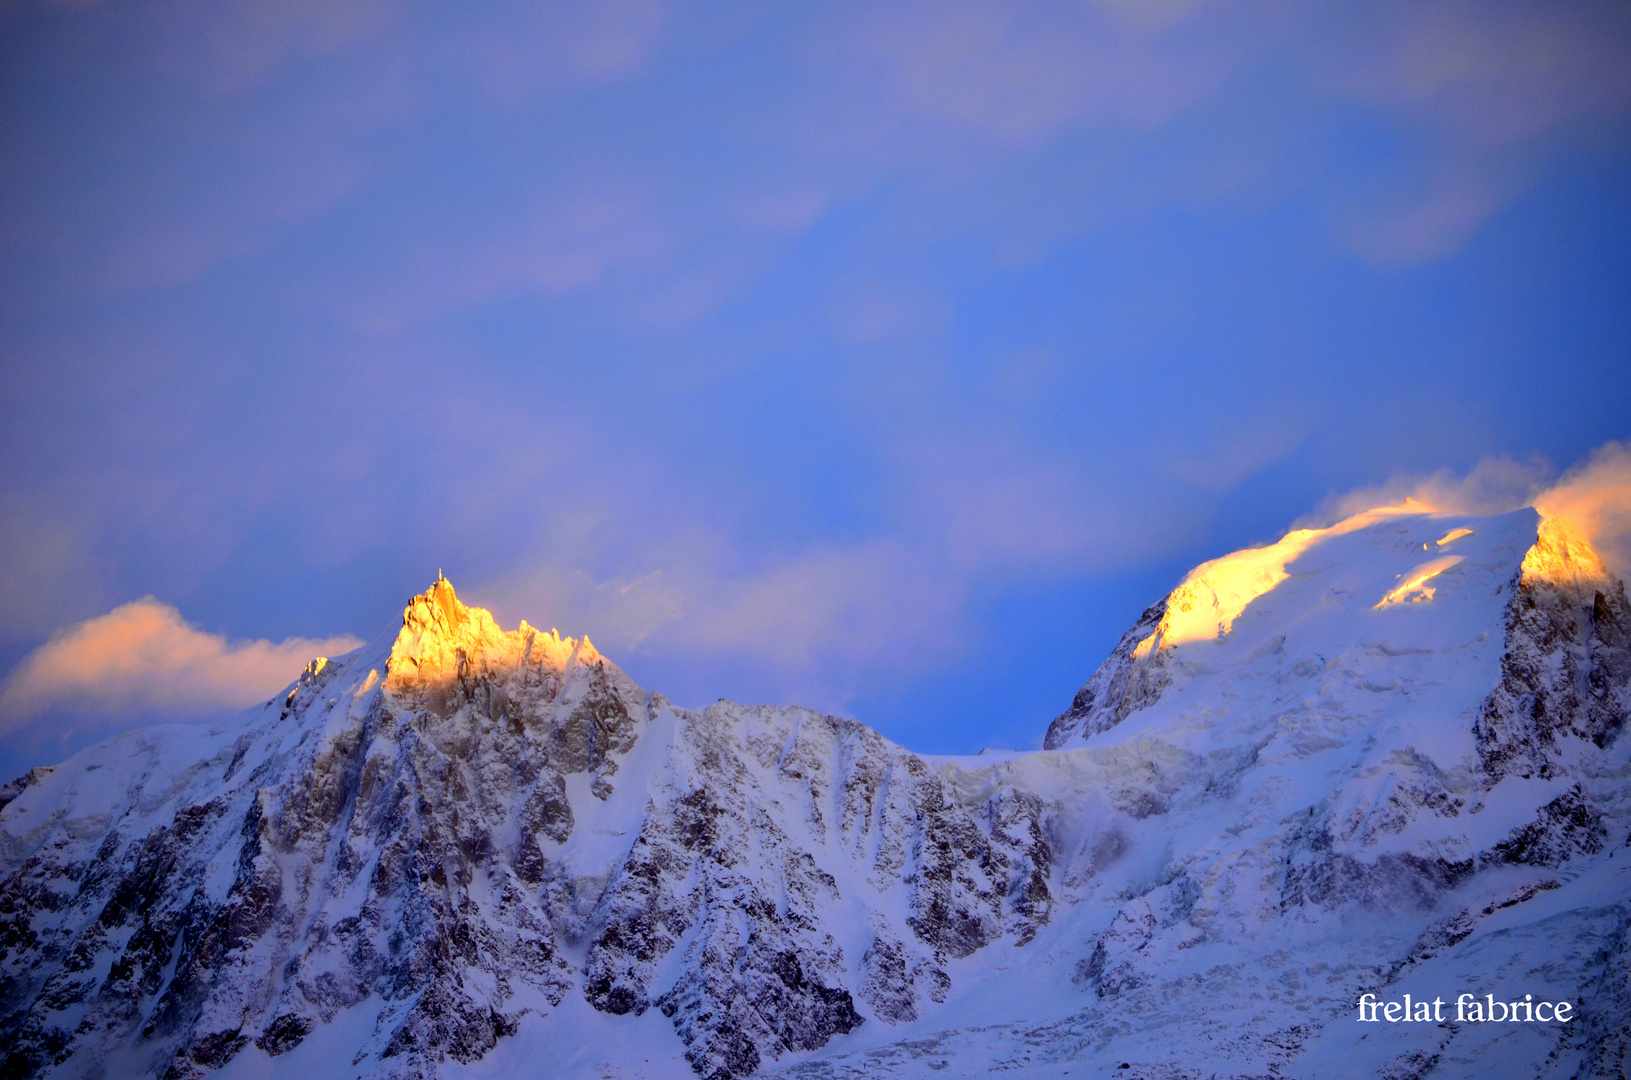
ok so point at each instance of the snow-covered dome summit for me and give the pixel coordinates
(1394, 613)
(1384, 757)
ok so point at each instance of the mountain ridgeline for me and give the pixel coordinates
(1385, 757)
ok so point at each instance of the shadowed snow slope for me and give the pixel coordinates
(1384, 757)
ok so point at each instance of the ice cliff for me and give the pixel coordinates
(1387, 756)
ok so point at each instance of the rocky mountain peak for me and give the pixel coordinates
(1379, 576)
(1382, 757)
(1564, 557)
(443, 640)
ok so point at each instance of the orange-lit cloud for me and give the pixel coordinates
(1593, 496)
(143, 658)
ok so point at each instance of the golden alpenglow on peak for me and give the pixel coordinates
(443, 640)
(1564, 557)
(511, 851)
(447, 600)
(1212, 596)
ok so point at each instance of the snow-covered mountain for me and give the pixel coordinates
(1380, 758)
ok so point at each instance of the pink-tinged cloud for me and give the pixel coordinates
(1022, 72)
(1223, 451)
(542, 47)
(829, 617)
(143, 658)
(839, 610)
(1500, 86)
(855, 608)
(1439, 220)
(988, 502)
(871, 311)
(1493, 74)
(1495, 90)
(580, 234)
(1595, 497)
(47, 571)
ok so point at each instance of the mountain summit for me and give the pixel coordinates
(1385, 757)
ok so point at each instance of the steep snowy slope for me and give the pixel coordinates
(448, 832)
(1384, 757)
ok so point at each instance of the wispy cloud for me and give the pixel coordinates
(142, 658)
(541, 47)
(1491, 74)
(1492, 486)
(1220, 452)
(249, 119)
(872, 311)
(283, 112)
(1479, 95)
(812, 627)
(1594, 496)
(1021, 72)
(1495, 88)
(1439, 218)
(822, 618)
(48, 569)
(563, 242)
(829, 612)
(847, 610)
(753, 335)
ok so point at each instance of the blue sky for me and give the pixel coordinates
(888, 358)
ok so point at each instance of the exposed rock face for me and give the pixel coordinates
(1133, 676)
(778, 817)
(1384, 757)
(357, 842)
(1455, 761)
(389, 837)
(1567, 667)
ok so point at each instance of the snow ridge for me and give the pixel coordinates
(1384, 757)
